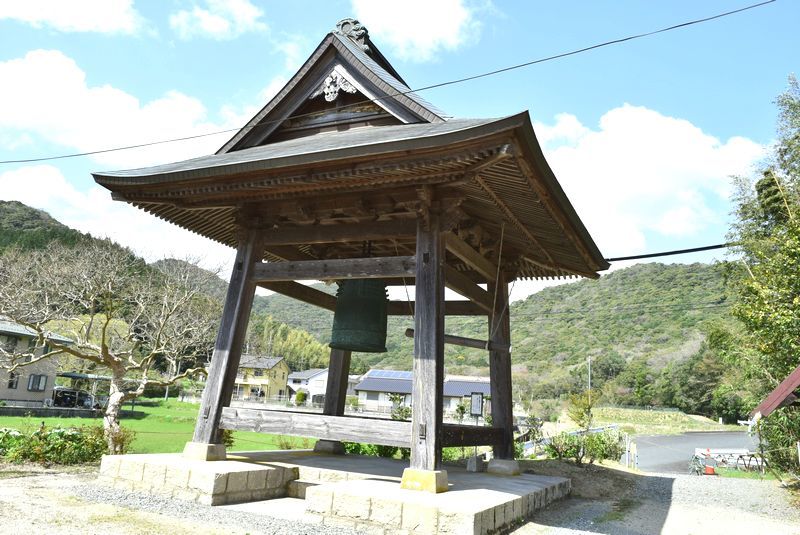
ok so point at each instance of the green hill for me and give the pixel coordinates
(29, 228)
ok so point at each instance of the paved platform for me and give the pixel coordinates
(361, 493)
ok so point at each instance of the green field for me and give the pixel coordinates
(166, 427)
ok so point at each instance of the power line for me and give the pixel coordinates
(670, 253)
(632, 309)
(423, 88)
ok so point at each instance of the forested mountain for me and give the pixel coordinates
(28, 228)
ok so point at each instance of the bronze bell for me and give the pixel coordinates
(359, 323)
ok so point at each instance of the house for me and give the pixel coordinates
(313, 381)
(261, 378)
(29, 385)
(377, 387)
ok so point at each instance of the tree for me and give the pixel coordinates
(766, 279)
(142, 325)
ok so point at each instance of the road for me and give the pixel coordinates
(671, 453)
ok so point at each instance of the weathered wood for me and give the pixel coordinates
(308, 234)
(468, 342)
(500, 371)
(305, 424)
(228, 347)
(303, 293)
(463, 285)
(428, 367)
(451, 308)
(470, 435)
(336, 388)
(470, 256)
(347, 268)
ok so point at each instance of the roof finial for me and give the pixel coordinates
(354, 30)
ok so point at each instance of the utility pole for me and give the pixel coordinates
(590, 380)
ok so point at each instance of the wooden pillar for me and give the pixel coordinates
(227, 351)
(500, 369)
(336, 388)
(428, 369)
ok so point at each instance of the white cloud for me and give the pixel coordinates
(418, 29)
(45, 187)
(51, 100)
(221, 19)
(101, 16)
(642, 172)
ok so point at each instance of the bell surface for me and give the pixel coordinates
(359, 323)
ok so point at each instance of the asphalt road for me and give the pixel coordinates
(671, 453)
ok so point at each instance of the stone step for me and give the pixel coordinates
(297, 488)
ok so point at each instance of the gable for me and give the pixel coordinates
(346, 83)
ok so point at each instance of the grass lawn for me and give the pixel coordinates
(166, 427)
(657, 422)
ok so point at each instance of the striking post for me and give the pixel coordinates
(500, 369)
(227, 351)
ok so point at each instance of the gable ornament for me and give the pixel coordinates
(354, 30)
(331, 86)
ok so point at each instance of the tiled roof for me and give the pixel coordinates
(259, 362)
(376, 381)
(307, 374)
(15, 329)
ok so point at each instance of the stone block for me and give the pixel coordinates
(368, 528)
(337, 522)
(487, 520)
(503, 467)
(517, 508)
(124, 484)
(386, 512)
(198, 451)
(185, 495)
(237, 482)
(351, 506)
(274, 479)
(130, 470)
(476, 463)
(428, 480)
(177, 477)
(499, 516)
(256, 479)
(419, 518)
(459, 523)
(154, 475)
(332, 447)
(319, 500)
(109, 465)
(207, 482)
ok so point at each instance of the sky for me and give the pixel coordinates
(644, 136)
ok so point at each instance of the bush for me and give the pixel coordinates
(300, 397)
(372, 450)
(59, 446)
(122, 440)
(606, 445)
(565, 446)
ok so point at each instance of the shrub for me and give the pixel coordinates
(122, 440)
(606, 445)
(60, 445)
(227, 438)
(565, 446)
(300, 397)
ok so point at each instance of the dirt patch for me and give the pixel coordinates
(590, 481)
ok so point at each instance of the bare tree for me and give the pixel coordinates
(146, 325)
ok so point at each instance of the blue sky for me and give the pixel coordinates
(643, 135)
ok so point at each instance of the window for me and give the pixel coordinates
(258, 373)
(13, 380)
(372, 396)
(8, 343)
(37, 383)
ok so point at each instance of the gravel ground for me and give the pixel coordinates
(677, 504)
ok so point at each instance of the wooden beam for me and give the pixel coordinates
(303, 293)
(461, 284)
(470, 256)
(470, 435)
(468, 342)
(336, 388)
(342, 268)
(428, 364)
(304, 424)
(500, 372)
(230, 338)
(308, 234)
(451, 308)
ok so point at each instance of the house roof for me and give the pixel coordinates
(259, 362)
(786, 393)
(307, 374)
(400, 382)
(15, 329)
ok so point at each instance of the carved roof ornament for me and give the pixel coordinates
(355, 31)
(331, 86)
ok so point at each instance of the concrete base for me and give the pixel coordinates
(333, 447)
(476, 463)
(428, 480)
(503, 467)
(198, 451)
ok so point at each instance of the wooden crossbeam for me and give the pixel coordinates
(468, 342)
(461, 284)
(301, 292)
(341, 268)
(308, 234)
(470, 256)
(470, 435)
